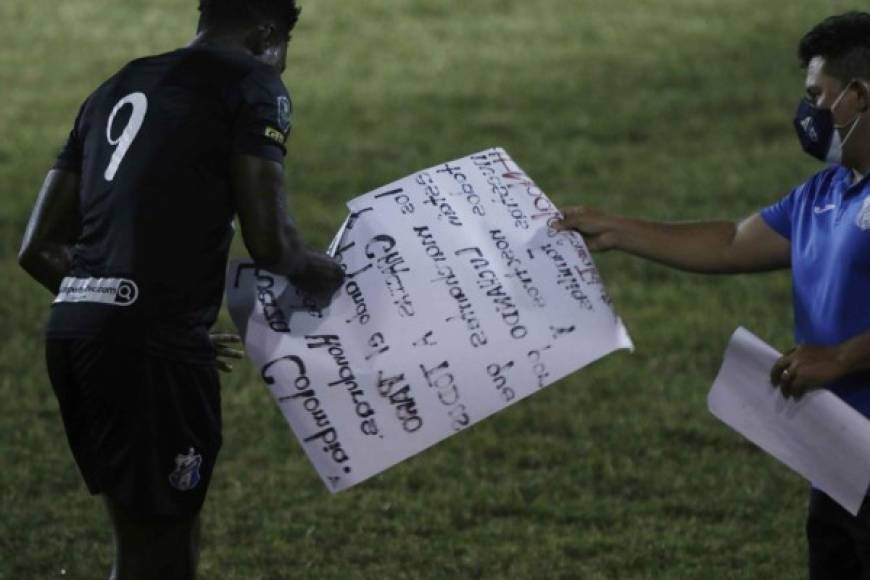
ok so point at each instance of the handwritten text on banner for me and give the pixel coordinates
(460, 299)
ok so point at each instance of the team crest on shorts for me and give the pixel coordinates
(863, 219)
(186, 475)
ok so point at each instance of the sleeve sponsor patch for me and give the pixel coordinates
(276, 135)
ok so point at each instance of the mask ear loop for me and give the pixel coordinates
(854, 122)
(840, 98)
(841, 95)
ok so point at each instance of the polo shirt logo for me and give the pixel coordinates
(863, 219)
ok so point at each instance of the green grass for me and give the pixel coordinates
(669, 109)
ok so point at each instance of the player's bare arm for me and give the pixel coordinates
(269, 235)
(54, 225)
(714, 247)
(808, 367)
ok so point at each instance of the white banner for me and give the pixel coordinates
(819, 436)
(460, 300)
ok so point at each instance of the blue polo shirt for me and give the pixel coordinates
(827, 221)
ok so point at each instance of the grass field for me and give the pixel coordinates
(669, 109)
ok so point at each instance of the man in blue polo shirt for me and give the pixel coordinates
(821, 230)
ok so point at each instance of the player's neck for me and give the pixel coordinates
(860, 169)
(228, 40)
(859, 155)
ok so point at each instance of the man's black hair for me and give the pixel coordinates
(233, 13)
(844, 42)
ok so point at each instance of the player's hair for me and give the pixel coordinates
(844, 42)
(232, 13)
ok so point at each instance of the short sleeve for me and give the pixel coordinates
(779, 215)
(264, 116)
(71, 156)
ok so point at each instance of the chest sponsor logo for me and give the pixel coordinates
(113, 291)
(186, 475)
(863, 218)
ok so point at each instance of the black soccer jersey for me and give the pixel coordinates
(153, 145)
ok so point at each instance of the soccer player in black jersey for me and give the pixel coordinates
(131, 232)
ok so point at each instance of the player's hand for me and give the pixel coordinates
(221, 343)
(599, 230)
(805, 368)
(321, 277)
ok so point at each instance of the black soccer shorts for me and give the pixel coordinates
(145, 431)
(839, 543)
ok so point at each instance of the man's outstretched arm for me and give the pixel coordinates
(46, 250)
(269, 235)
(715, 247)
(725, 247)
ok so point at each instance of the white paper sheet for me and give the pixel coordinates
(460, 299)
(819, 436)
